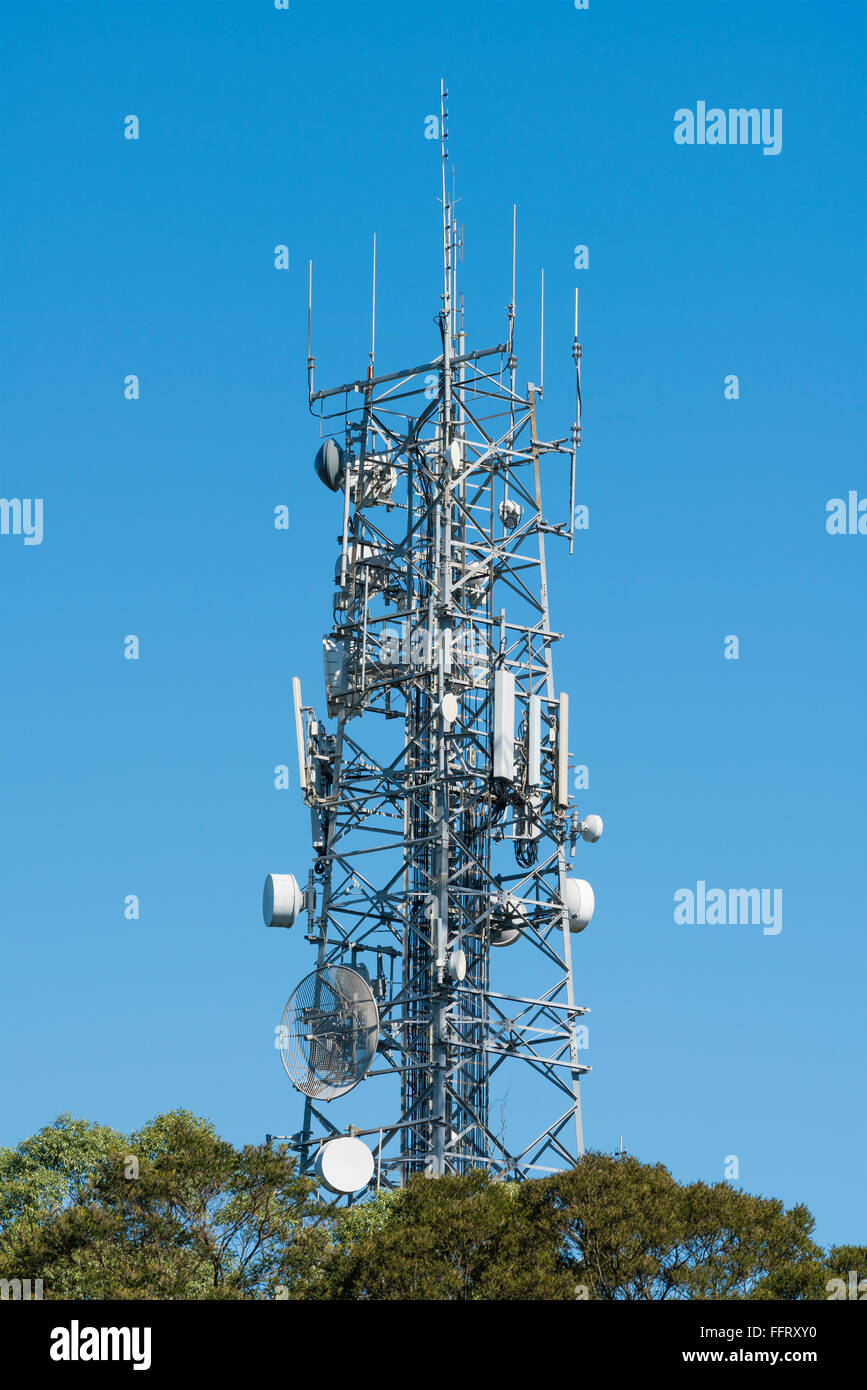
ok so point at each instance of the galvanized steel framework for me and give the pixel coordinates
(431, 835)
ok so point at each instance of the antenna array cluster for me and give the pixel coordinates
(438, 785)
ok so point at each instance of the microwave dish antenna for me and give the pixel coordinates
(329, 1032)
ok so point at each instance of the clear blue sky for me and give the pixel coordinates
(155, 777)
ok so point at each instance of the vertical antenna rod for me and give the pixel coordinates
(542, 338)
(373, 315)
(512, 361)
(510, 310)
(576, 428)
(447, 215)
(310, 359)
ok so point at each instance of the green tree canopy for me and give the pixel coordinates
(631, 1232)
(43, 1174)
(175, 1212)
(464, 1238)
(611, 1228)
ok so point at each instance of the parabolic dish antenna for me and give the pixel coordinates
(329, 1032)
(508, 920)
(344, 1165)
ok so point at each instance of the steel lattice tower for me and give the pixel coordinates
(439, 797)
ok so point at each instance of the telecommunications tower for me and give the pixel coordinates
(440, 902)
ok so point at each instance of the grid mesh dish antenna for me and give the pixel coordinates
(330, 1031)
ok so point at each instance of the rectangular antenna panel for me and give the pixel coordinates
(534, 741)
(563, 752)
(299, 733)
(504, 725)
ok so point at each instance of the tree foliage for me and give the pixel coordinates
(458, 1238)
(611, 1228)
(632, 1232)
(43, 1174)
(175, 1212)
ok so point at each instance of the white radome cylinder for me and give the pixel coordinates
(282, 900)
(458, 964)
(591, 829)
(344, 1165)
(579, 901)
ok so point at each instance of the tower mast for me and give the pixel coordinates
(441, 903)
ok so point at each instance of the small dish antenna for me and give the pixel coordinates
(579, 902)
(344, 1165)
(508, 920)
(458, 965)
